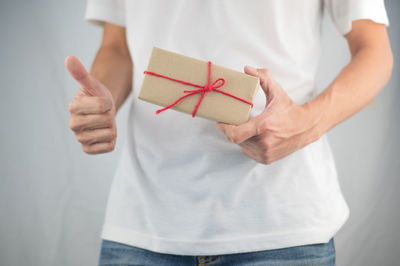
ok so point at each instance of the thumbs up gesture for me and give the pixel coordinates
(92, 111)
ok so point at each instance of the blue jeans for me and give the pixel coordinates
(113, 254)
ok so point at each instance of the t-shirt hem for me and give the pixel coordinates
(97, 14)
(374, 11)
(219, 247)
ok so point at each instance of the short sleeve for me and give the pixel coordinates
(343, 12)
(112, 11)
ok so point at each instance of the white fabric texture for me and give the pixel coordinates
(112, 11)
(343, 12)
(180, 186)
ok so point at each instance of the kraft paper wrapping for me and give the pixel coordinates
(214, 106)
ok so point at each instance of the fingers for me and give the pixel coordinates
(90, 105)
(261, 73)
(249, 70)
(263, 158)
(90, 112)
(251, 154)
(267, 82)
(256, 125)
(97, 148)
(260, 123)
(97, 133)
(78, 72)
(92, 121)
(240, 133)
(254, 143)
(90, 137)
(263, 138)
(266, 149)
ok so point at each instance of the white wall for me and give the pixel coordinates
(367, 152)
(52, 195)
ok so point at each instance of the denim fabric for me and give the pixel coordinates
(113, 254)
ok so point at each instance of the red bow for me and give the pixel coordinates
(203, 90)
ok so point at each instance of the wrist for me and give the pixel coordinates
(316, 114)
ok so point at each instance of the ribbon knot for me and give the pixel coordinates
(203, 90)
(208, 88)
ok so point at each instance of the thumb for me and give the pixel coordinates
(267, 82)
(80, 74)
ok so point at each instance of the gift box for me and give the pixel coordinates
(197, 87)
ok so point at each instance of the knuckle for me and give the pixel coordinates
(259, 130)
(101, 105)
(75, 105)
(71, 107)
(265, 159)
(266, 143)
(111, 146)
(75, 124)
(235, 140)
(86, 149)
(72, 124)
(264, 71)
(113, 133)
(84, 139)
(81, 138)
(233, 137)
(261, 127)
(109, 118)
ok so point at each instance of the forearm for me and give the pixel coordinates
(356, 85)
(285, 127)
(113, 68)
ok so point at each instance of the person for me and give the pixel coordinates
(188, 191)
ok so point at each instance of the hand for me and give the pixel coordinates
(281, 129)
(92, 111)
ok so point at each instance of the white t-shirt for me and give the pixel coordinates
(181, 187)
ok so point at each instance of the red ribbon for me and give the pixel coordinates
(203, 90)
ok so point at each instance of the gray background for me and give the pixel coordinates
(53, 196)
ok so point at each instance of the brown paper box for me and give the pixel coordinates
(214, 106)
